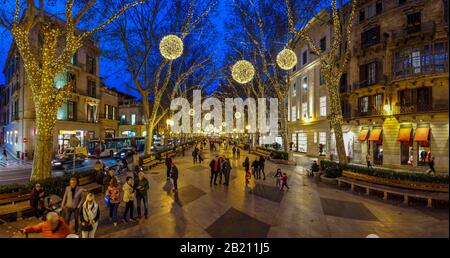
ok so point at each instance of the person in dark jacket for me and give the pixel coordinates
(141, 185)
(215, 167)
(255, 169)
(262, 162)
(174, 176)
(168, 162)
(226, 170)
(37, 201)
(431, 165)
(194, 155)
(246, 165)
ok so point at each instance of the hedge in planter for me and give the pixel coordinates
(52, 185)
(388, 174)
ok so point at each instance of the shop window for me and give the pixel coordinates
(294, 142)
(406, 151)
(133, 119)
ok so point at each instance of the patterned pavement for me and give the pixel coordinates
(308, 209)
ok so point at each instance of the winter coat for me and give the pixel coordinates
(174, 173)
(128, 192)
(141, 183)
(114, 194)
(87, 213)
(77, 199)
(45, 228)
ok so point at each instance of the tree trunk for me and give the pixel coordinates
(45, 123)
(284, 129)
(42, 161)
(148, 138)
(337, 120)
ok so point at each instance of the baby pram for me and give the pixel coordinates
(52, 203)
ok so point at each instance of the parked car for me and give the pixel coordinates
(66, 158)
(125, 152)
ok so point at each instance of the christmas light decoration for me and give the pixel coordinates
(171, 47)
(243, 71)
(286, 59)
(237, 115)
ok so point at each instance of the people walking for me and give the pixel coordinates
(90, 214)
(168, 162)
(194, 155)
(128, 199)
(284, 180)
(200, 156)
(113, 194)
(215, 167)
(234, 152)
(262, 162)
(238, 152)
(37, 201)
(246, 165)
(5, 155)
(368, 160)
(141, 185)
(278, 177)
(174, 176)
(72, 201)
(431, 166)
(255, 168)
(226, 170)
(220, 174)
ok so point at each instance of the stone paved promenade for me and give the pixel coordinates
(308, 209)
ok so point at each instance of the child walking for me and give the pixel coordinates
(278, 176)
(284, 179)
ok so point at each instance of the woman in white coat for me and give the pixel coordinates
(90, 214)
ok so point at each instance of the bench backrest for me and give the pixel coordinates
(86, 180)
(17, 197)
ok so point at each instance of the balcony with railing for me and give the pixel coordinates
(413, 109)
(367, 83)
(375, 111)
(409, 31)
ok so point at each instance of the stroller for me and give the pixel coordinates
(52, 203)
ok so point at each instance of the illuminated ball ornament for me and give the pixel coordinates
(171, 47)
(286, 59)
(243, 71)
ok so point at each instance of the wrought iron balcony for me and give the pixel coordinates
(408, 31)
(428, 108)
(378, 111)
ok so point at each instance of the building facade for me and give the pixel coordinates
(394, 96)
(83, 114)
(308, 101)
(131, 115)
(397, 108)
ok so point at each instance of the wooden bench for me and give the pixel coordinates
(262, 152)
(14, 205)
(89, 184)
(386, 190)
(150, 162)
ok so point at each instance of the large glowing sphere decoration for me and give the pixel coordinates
(171, 47)
(243, 71)
(286, 59)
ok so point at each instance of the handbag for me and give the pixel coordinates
(86, 226)
(107, 201)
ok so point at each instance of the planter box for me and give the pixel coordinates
(317, 174)
(327, 180)
(285, 162)
(424, 186)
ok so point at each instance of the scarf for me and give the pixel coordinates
(90, 211)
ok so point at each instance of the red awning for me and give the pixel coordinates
(363, 135)
(421, 134)
(375, 134)
(404, 135)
